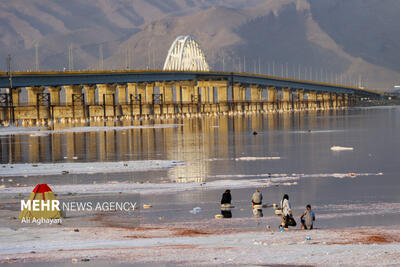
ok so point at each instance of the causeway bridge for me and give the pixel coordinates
(184, 87)
(136, 94)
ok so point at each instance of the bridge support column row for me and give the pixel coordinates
(186, 93)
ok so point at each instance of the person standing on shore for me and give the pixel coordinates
(257, 198)
(226, 197)
(286, 211)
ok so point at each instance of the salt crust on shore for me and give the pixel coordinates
(28, 169)
(215, 245)
(39, 131)
(157, 188)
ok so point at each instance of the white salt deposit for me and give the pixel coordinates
(41, 131)
(172, 188)
(341, 148)
(26, 169)
(244, 158)
(256, 158)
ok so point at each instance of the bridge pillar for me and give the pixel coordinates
(256, 94)
(346, 100)
(167, 95)
(90, 94)
(177, 92)
(108, 90)
(222, 90)
(242, 98)
(149, 93)
(286, 93)
(54, 94)
(300, 99)
(327, 100)
(166, 90)
(272, 97)
(320, 100)
(205, 93)
(312, 99)
(122, 94)
(15, 96)
(70, 90)
(210, 90)
(236, 92)
(334, 100)
(339, 100)
(187, 90)
(131, 88)
(32, 94)
(141, 90)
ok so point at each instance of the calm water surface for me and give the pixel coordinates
(210, 147)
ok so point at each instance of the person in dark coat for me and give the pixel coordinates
(226, 197)
(286, 211)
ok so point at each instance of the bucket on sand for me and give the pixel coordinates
(278, 212)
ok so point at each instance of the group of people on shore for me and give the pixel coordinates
(307, 218)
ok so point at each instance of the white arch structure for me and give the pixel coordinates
(185, 54)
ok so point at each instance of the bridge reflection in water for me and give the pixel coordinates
(196, 141)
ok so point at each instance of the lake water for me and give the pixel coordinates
(224, 148)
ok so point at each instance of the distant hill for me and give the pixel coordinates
(348, 41)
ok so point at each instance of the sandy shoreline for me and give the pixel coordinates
(207, 242)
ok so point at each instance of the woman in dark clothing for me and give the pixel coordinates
(226, 197)
(287, 215)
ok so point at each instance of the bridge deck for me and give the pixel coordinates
(23, 79)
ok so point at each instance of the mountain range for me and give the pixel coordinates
(353, 42)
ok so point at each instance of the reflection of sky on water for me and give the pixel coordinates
(209, 153)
